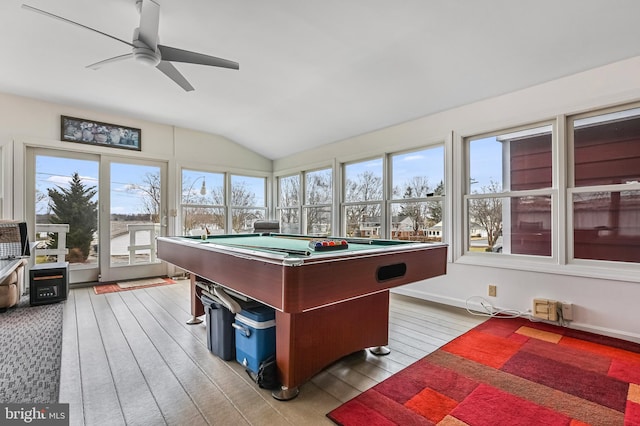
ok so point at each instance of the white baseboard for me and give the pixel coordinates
(632, 337)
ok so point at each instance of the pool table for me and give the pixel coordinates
(328, 303)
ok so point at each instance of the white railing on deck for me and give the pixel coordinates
(153, 229)
(62, 229)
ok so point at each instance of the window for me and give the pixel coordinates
(363, 198)
(510, 192)
(318, 198)
(289, 204)
(605, 194)
(248, 202)
(417, 193)
(203, 203)
(314, 205)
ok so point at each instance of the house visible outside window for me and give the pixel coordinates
(417, 193)
(202, 203)
(318, 199)
(289, 204)
(509, 192)
(604, 190)
(364, 199)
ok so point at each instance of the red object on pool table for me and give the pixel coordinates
(318, 320)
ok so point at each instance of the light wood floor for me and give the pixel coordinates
(130, 358)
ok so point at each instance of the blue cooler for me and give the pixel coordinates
(255, 336)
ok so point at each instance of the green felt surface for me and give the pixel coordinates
(292, 242)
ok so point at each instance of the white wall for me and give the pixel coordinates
(601, 303)
(28, 122)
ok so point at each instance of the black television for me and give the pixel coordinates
(14, 240)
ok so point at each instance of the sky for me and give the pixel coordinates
(125, 199)
(53, 171)
(485, 165)
(485, 162)
(427, 162)
(57, 171)
(194, 178)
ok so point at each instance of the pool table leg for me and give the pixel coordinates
(380, 350)
(197, 308)
(285, 393)
(307, 342)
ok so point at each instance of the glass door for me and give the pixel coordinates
(101, 214)
(136, 216)
(65, 198)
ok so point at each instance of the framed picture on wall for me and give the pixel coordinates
(73, 129)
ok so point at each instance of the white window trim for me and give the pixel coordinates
(561, 262)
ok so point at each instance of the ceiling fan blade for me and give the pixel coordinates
(51, 15)
(149, 20)
(172, 72)
(110, 60)
(178, 55)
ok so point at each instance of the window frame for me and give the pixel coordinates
(382, 233)
(297, 206)
(227, 207)
(391, 201)
(231, 208)
(508, 193)
(302, 206)
(620, 268)
(387, 201)
(182, 206)
(306, 206)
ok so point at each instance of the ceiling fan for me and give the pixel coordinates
(146, 49)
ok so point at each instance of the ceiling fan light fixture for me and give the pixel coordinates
(146, 56)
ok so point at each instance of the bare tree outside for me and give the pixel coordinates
(199, 210)
(150, 190)
(290, 191)
(418, 211)
(289, 194)
(366, 187)
(244, 211)
(41, 198)
(318, 198)
(435, 207)
(487, 212)
(206, 204)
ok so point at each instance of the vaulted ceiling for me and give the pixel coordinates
(311, 72)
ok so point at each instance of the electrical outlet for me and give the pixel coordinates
(567, 311)
(493, 290)
(541, 308)
(545, 309)
(553, 310)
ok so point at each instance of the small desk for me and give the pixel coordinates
(328, 303)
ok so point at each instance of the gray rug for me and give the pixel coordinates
(30, 349)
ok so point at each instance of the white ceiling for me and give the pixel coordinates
(311, 72)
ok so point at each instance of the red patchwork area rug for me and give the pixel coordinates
(509, 372)
(131, 285)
